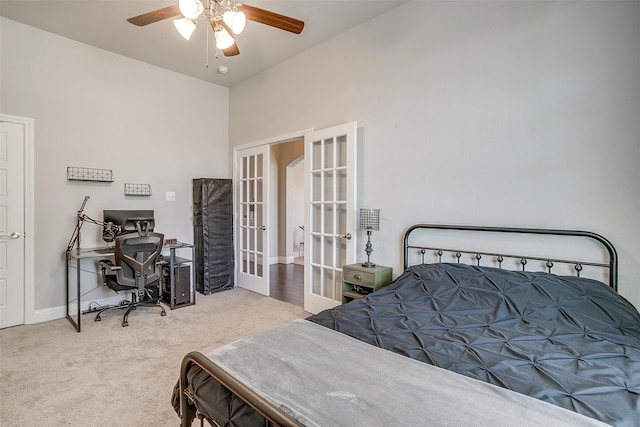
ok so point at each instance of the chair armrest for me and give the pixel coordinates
(107, 265)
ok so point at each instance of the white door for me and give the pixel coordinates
(11, 224)
(253, 233)
(330, 213)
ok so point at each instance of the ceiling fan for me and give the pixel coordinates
(226, 19)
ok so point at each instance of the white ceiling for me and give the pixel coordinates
(103, 24)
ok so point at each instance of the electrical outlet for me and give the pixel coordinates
(170, 196)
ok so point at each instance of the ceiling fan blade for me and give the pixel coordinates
(231, 51)
(273, 19)
(155, 16)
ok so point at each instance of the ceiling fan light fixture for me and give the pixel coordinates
(190, 8)
(223, 39)
(224, 25)
(235, 20)
(185, 27)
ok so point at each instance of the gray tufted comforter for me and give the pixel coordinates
(569, 341)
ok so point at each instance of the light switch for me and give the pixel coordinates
(171, 196)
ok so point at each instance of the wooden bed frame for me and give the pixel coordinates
(272, 413)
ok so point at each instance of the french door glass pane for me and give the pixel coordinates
(252, 240)
(341, 224)
(316, 253)
(329, 284)
(341, 151)
(259, 233)
(259, 211)
(329, 255)
(340, 218)
(329, 182)
(316, 219)
(316, 152)
(259, 196)
(316, 187)
(251, 167)
(341, 185)
(329, 220)
(259, 162)
(245, 191)
(317, 276)
(328, 154)
(245, 168)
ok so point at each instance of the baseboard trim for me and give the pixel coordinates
(281, 260)
(47, 314)
(55, 313)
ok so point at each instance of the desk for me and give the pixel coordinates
(103, 253)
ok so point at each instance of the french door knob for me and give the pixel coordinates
(15, 235)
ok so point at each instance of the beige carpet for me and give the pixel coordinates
(108, 375)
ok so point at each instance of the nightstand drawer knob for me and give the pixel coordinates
(357, 277)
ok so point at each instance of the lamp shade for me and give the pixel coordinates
(223, 39)
(369, 219)
(185, 27)
(235, 20)
(190, 8)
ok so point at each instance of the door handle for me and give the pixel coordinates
(263, 228)
(345, 236)
(15, 235)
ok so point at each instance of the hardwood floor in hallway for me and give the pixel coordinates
(287, 283)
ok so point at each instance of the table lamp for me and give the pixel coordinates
(369, 220)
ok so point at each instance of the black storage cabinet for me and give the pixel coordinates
(213, 234)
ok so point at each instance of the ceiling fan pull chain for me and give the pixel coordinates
(207, 35)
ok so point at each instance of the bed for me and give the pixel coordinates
(448, 342)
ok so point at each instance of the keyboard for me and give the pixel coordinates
(104, 250)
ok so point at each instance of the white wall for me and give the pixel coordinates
(295, 208)
(92, 108)
(281, 156)
(487, 113)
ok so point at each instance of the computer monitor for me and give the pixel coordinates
(126, 221)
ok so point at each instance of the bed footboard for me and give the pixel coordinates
(187, 411)
(311, 375)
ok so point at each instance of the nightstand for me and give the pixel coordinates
(358, 281)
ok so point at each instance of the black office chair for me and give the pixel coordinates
(137, 270)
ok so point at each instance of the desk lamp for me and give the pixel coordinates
(369, 220)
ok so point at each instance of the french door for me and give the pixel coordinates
(252, 193)
(330, 213)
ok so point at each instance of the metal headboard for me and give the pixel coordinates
(612, 265)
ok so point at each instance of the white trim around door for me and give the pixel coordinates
(258, 283)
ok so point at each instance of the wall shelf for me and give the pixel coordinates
(137, 189)
(89, 174)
